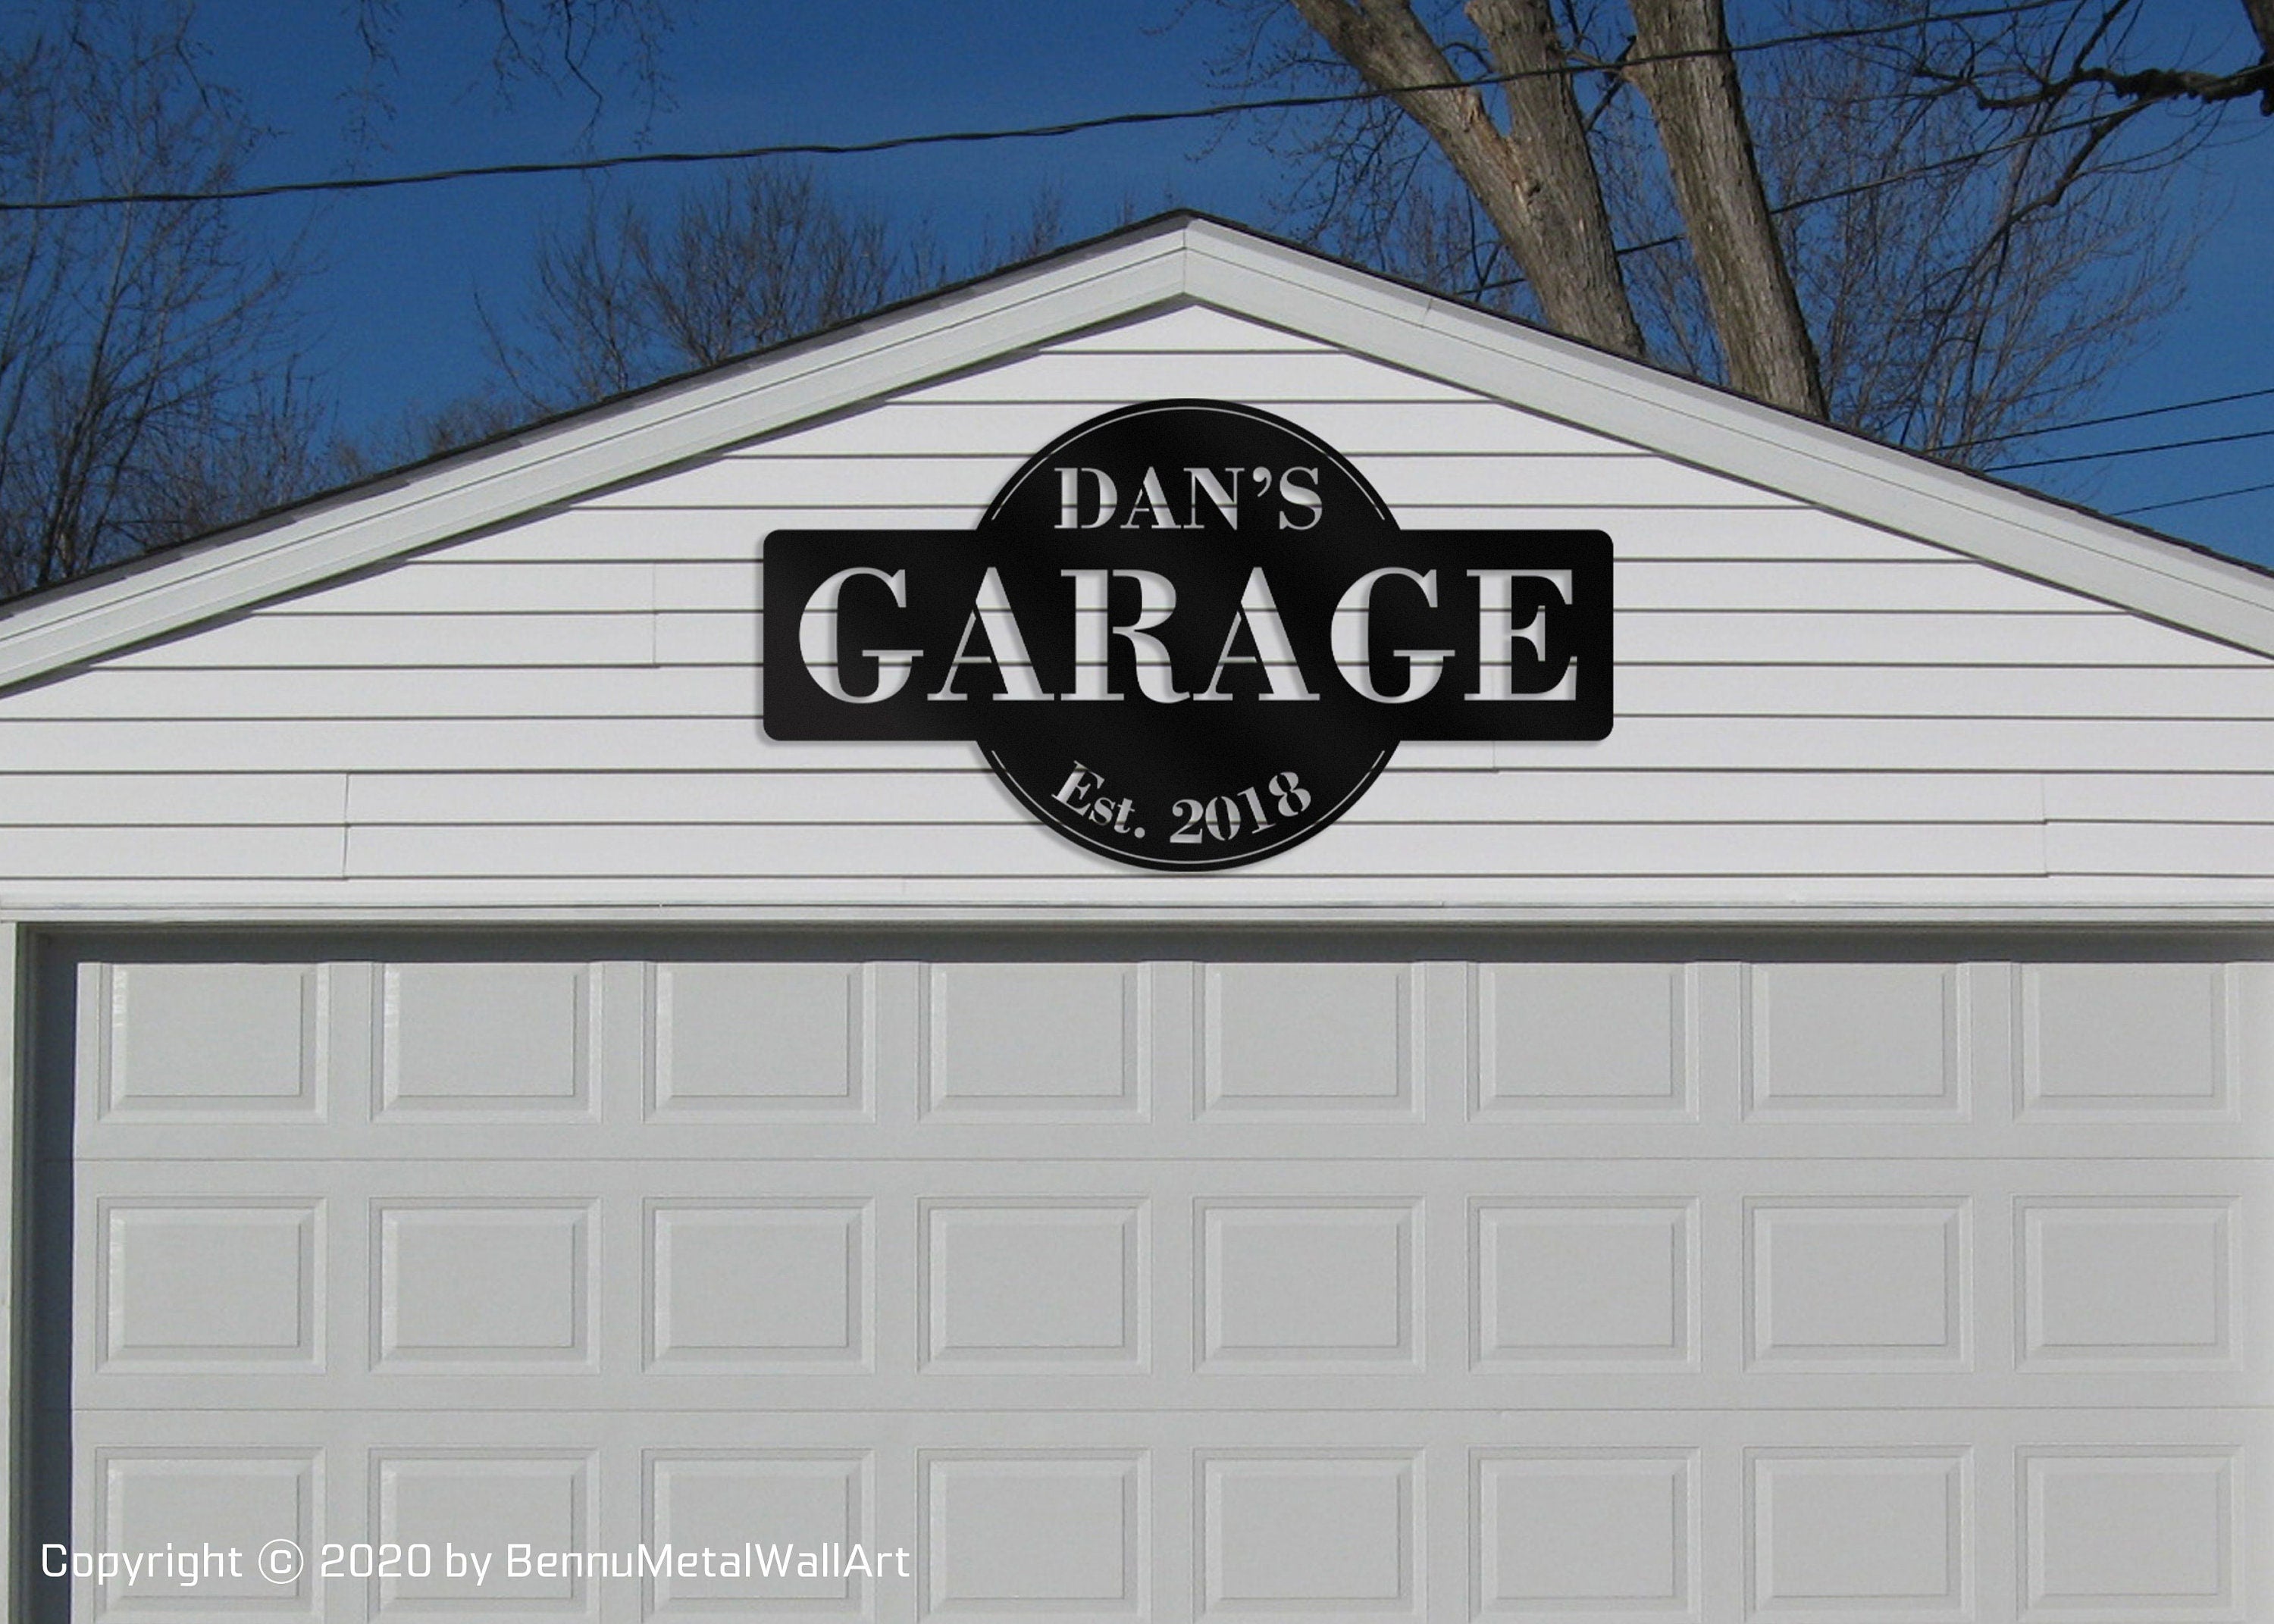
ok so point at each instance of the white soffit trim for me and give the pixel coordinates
(1176, 261)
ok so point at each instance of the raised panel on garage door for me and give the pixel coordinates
(1162, 1286)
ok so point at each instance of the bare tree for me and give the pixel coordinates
(1971, 274)
(1534, 176)
(592, 47)
(627, 292)
(148, 380)
(1904, 223)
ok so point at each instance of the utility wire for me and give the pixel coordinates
(1898, 177)
(2088, 423)
(1224, 109)
(2188, 501)
(2169, 445)
(898, 143)
(1856, 189)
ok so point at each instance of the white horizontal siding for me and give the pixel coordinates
(1267, 379)
(1865, 636)
(437, 587)
(558, 743)
(168, 800)
(1861, 690)
(663, 534)
(2169, 847)
(275, 640)
(885, 485)
(1921, 744)
(730, 691)
(1358, 430)
(1813, 712)
(411, 693)
(1868, 636)
(2188, 806)
(1193, 327)
(970, 795)
(2195, 798)
(519, 851)
(448, 587)
(184, 851)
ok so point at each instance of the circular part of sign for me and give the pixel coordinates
(1202, 545)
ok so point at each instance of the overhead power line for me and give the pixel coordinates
(1857, 189)
(2189, 502)
(947, 137)
(2169, 445)
(2088, 422)
(1224, 109)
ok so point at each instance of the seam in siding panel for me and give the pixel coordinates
(196, 744)
(969, 793)
(692, 852)
(729, 690)
(283, 640)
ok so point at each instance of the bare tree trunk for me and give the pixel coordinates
(1709, 152)
(1545, 126)
(2261, 23)
(1536, 182)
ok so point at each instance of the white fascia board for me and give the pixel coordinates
(591, 452)
(1725, 435)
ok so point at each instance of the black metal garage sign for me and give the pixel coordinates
(1187, 635)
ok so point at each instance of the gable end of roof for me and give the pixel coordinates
(1177, 260)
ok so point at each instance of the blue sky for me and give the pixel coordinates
(393, 305)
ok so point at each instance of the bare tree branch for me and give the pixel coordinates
(2016, 67)
(2137, 85)
(589, 46)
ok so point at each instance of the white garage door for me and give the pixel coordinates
(1132, 1286)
